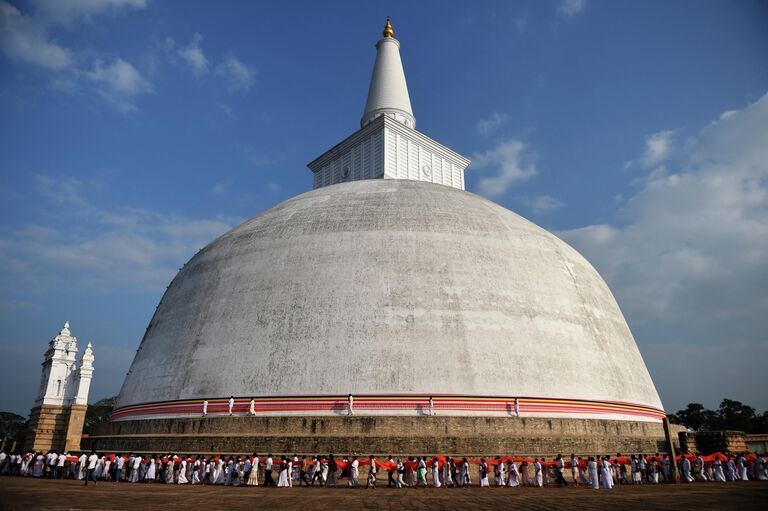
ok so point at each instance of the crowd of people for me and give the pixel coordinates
(437, 471)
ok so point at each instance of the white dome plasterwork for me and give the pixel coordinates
(389, 287)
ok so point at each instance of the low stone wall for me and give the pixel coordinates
(708, 442)
(399, 436)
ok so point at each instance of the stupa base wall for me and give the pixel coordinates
(399, 436)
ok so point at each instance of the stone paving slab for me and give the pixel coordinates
(27, 494)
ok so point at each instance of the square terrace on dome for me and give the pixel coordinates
(387, 149)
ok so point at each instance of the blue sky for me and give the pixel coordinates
(133, 132)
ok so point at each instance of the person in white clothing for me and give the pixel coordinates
(37, 469)
(717, 471)
(605, 472)
(592, 470)
(634, 468)
(538, 477)
(252, 407)
(135, 472)
(282, 479)
(183, 473)
(685, 467)
(59, 471)
(761, 467)
(502, 473)
(82, 468)
(575, 470)
(447, 475)
(700, 475)
(436, 473)
(205, 408)
(231, 404)
(149, 475)
(93, 459)
(253, 476)
(119, 464)
(513, 479)
(741, 462)
(354, 473)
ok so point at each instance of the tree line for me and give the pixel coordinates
(731, 415)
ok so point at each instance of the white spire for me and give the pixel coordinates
(388, 93)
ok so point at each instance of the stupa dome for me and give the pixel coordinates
(394, 291)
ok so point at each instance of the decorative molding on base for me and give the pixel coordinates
(395, 404)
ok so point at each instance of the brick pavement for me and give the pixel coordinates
(27, 493)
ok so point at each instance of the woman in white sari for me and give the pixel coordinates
(107, 464)
(592, 469)
(151, 471)
(219, 473)
(514, 477)
(717, 471)
(196, 471)
(98, 472)
(436, 473)
(605, 471)
(37, 469)
(135, 469)
(253, 475)
(538, 477)
(183, 473)
(524, 473)
(282, 480)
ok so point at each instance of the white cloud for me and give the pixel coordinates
(193, 55)
(239, 76)
(66, 11)
(104, 248)
(658, 147)
(118, 82)
(511, 164)
(221, 187)
(571, 8)
(25, 40)
(687, 257)
(542, 204)
(487, 126)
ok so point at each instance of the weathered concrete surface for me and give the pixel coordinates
(25, 494)
(454, 436)
(388, 286)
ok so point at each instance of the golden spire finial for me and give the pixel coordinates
(388, 32)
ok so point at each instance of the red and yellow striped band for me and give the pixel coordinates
(398, 404)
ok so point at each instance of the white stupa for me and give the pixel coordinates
(389, 282)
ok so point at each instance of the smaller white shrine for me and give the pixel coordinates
(56, 420)
(64, 381)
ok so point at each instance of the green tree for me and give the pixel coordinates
(694, 416)
(737, 416)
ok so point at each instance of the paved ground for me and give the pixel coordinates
(27, 493)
